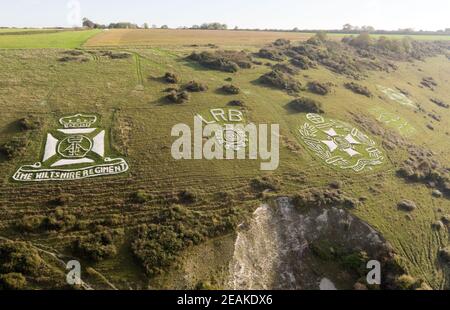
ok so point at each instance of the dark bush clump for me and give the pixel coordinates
(187, 197)
(98, 246)
(407, 205)
(318, 38)
(285, 68)
(194, 86)
(302, 62)
(19, 257)
(171, 78)
(236, 103)
(157, 246)
(281, 42)
(178, 96)
(140, 196)
(62, 199)
(227, 61)
(231, 89)
(319, 88)
(59, 220)
(445, 254)
(429, 82)
(281, 80)
(271, 53)
(15, 147)
(116, 55)
(358, 89)
(317, 197)
(421, 167)
(74, 52)
(265, 183)
(73, 59)
(306, 105)
(440, 103)
(12, 281)
(30, 122)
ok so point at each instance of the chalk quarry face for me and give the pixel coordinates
(278, 240)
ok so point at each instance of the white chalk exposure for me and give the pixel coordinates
(50, 147)
(99, 144)
(327, 285)
(396, 96)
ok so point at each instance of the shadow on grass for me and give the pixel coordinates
(12, 128)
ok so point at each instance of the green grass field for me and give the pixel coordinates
(62, 39)
(130, 91)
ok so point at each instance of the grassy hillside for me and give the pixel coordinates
(128, 95)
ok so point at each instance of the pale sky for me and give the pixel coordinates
(280, 14)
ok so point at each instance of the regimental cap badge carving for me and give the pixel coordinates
(78, 121)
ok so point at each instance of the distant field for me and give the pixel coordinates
(169, 37)
(63, 39)
(6, 30)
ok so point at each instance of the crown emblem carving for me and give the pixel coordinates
(78, 121)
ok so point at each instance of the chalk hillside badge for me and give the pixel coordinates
(73, 152)
(339, 144)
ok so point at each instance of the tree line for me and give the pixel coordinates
(347, 28)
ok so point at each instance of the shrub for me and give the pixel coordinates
(271, 53)
(356, 261)
(187, 197)
(440, 103)
(194, 86)
(446, 219)
(445, 254)
(178, 96)
(318, 38)
(281, 80)
(30, 122)
(407, 205)
(116, 55)
(319, 88)
(12, 281)
(157, 246)
(74, 52)
(429, 82)
(227, 61)
(19, 257)
(281, 42)
(30, 223)
(358, 89)
(285, 68)
(15, 147)
(58, 220)
(236, 103)
(62, 199)
(306, 105)
(406, 282)
(171, 78)
(261, 184)
(73, 58)
(231, 89)
(363, 40)
(302, 62)
(98, 246)
(140, 196)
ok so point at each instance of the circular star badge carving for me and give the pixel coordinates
(232, 138)
(339, 144)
